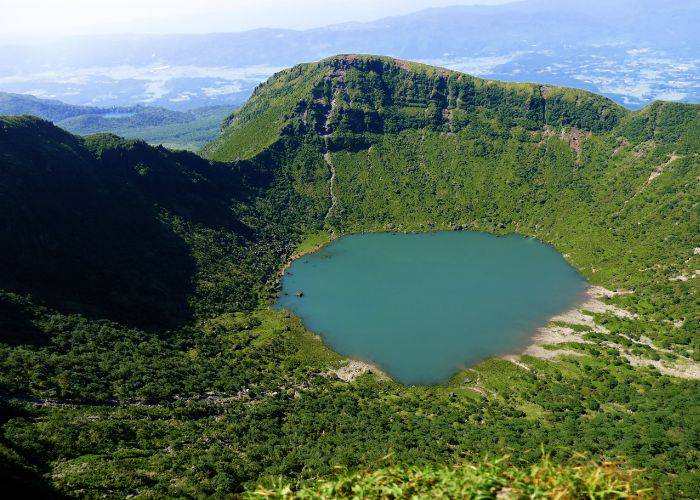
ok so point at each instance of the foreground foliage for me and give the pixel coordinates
(489, 479)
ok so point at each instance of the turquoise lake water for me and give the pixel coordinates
(423, 306)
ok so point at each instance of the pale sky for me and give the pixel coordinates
(59, 17)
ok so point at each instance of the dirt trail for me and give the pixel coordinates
(658, 170)
(339, 77)
(334, 201)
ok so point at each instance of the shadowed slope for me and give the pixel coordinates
(115, 228)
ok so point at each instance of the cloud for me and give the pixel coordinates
(155, 90)
(671, 95)
(181, 98)
(477, 66)
(232, 88)
(42, 17)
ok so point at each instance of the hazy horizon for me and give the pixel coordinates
(183, 56)
(49, 18)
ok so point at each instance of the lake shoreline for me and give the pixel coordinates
(355, 368)
(555, 331)
(559, 328)
(296, 283)
(298, 255)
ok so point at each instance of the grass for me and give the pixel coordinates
(488, 479)
(312, 242)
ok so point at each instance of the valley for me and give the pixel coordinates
(158, 126)
(140, 353)
(635, 53)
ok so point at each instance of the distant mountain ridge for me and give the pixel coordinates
(185, 129)
(620, 49)
(425, 34)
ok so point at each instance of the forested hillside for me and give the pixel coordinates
(178, 129)
(139, 354)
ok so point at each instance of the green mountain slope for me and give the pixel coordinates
(416, 147)
(138, 354)
(115, 228)
(178, 129)
(374, 94)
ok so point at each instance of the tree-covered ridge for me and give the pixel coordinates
(117, 229)
(178, 129)
(97, 203)
(138, 356)
(380, 94)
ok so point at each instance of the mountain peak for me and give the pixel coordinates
(359, 93)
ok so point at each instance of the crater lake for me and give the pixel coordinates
(423, 306)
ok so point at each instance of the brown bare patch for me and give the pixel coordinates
(575, 137)
(354, 368)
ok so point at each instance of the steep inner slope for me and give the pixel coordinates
(417, 148)
(138, 356)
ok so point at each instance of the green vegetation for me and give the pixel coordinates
(176, 129)
(484, 480)
(138, 354)
(312, 241)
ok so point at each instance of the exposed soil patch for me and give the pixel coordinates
(686, 277)
(643, 148)
(619, 147)
(564, 327)
(660, 168)
(331, 184)
(575, 137)
(354, 368)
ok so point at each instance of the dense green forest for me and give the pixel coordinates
(139, 354)
(156, 125)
